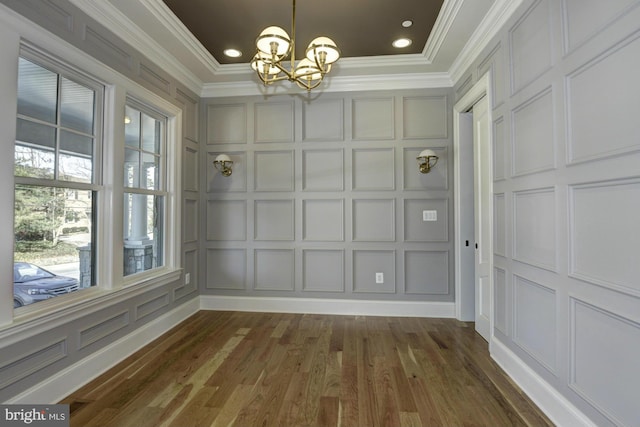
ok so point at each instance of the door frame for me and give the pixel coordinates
(465, 294)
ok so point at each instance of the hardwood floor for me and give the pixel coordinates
(256, 369)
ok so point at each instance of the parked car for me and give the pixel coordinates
(32, 284)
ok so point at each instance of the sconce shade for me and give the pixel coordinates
(426, 160)
(223, 163)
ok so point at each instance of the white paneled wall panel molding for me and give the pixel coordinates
(530, 45)
(533, 141)
(425, 117)
(535, 321)
(226, 220)
(604, 232)
(274, 170)
(323, 270)
(426, 272)
(534, 228)
(603, 364)
(274, 122)
(227, 124)
(323, 170)
(373, 169)
(226, 268)
(602, 118)
(373, 119)
(500, 144)
(584, 20)
(323, 120)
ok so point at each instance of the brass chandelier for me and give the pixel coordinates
(274, 45)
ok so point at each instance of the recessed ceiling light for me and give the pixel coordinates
(407, 23)
(400, 43)
(233, 53)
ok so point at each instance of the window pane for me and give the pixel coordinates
(131, 168)
(77, 107)
(151, 169)
(35, 133)
(75, 168)
(150, 134)
(132, 127)
(33, 162)
(37, 91)
(53, 242)
(143, 225)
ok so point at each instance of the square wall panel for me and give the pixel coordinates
(534, 147)
(499, 147)
(323, 220)
(323, 170)
(425, 117)
(190, 169)
(274, 122)
(323, 120)
(367, 265)
(274, 171)
(530, 41)
(374, 169)
(226, 220)
(323, 270)
(226, 269)
(426, 220)
(274, 220)
(237, 182)
(374, 220)
(426, 272)
(436, 179)
(274, 269)
(535, 321)
(373, 119)
(534, 233)
(227, 124)
(603, 118)
(191, 221)
(605, 231)
(501, 300)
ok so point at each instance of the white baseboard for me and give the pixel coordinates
(329, 306)
(57, 387)
(549, 400)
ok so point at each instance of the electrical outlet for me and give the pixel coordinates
(379, 277)
(429, 215)
(187, 278)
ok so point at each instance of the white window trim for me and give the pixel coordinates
(112, 288)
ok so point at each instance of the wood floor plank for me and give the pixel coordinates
(267, 369)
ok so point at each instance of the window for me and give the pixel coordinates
(145, 188)
(57, 156)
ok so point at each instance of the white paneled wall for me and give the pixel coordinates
(325, 193)
(566, 184)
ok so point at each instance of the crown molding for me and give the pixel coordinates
(441, 27)
(333, 84)
(491, 24)
(109, 16)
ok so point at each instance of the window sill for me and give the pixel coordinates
(47, 315)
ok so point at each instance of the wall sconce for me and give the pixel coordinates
(223, 163)
(426, 160)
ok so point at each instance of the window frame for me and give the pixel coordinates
(111, 286)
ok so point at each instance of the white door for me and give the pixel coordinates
(483, 216)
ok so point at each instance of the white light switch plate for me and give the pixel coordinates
(429, 215)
